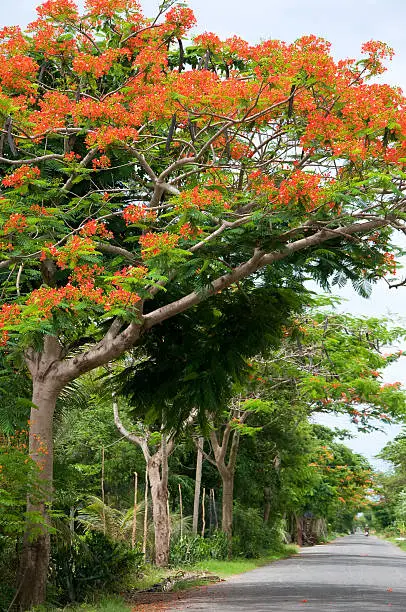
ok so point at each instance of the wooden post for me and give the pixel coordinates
(144, 540)
(102, 492)
(181, 510)
(198, 483)
(203, 512)
(135, 510)
(216, 521)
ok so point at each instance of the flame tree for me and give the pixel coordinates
(133, 162)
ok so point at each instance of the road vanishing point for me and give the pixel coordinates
(352, 573)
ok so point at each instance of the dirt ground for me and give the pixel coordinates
(157, 602)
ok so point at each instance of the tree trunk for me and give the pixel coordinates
(160, 515)
(227, 505)
(267, 504)
(299, 531)
(198, 482)
(35, 555)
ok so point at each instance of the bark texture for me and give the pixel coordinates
(160, 515)
(34, 561)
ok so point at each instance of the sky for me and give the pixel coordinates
(346, 24)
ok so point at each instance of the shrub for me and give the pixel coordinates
(91, 562)
(251, 537)
(191, 549)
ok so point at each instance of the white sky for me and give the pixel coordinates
(346, 24)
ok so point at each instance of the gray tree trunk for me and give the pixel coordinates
(160, 515)
(35, 555)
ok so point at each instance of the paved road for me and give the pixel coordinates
(353, 573)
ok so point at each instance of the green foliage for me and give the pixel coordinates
(8, 569)
(106, 604)
(192, 549)
(18, 477)
(389, 513)
(196, 361)
(89, 563)
(251, 537)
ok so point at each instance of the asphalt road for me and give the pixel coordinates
(353, 573)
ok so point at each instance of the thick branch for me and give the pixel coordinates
(258, 260)
(104, 247)
(114, 344)
(32, 160)
(216, 449)
(224, 442)
(232, 460)
(170, 310)
(131, 437)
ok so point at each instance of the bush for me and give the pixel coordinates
(252, 538)
(90, 562)
(192, 549)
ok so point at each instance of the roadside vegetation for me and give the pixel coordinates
(388, 512)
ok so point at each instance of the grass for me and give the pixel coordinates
(151, 575)
(401, 545)
(224, 569)
(391, 538)
(106, 604)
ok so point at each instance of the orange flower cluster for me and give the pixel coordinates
(18, 72)
(45, 299)
(21, 176)
(53, 114)
(187, 231)
(122, 298)
(134, 213)
(201, 198)
(102, 162)
(95, 228)
(301, 187)
(69, 254)
(10, 314)
(106, 136)
(179, 19)
(262, 185)
(153, 244)
(16, 223)
(97, 65)
(109, 8)
(72, 156)
(40, 210)
(12, 41)
(84, 275)
(209, 41)
(58, 10)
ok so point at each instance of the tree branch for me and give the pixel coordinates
(141, 442)
(104, 247)
(204, 454)
(86, 160)
(114, 344)
(232, 460)
(33, 160)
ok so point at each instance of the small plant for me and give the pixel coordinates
(192, 549)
